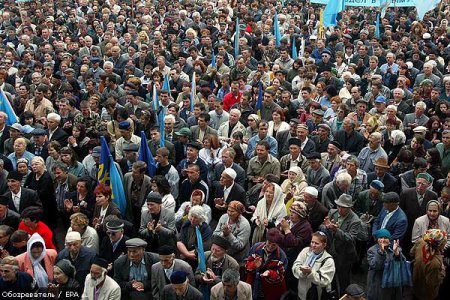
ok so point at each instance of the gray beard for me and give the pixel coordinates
(99, 280)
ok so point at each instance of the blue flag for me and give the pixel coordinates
(377, 27)
(331, 11)
(166, 85)
(162, 142)
(236, 39)
(424, 6)
(146, 155)
(294, 49)
(155, 102)
(109, 175)
(193, 91)
(213, 60)
(6, 107)
(200, 251)
(259, 102)
(276, 30)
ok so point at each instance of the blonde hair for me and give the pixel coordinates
(80, 219)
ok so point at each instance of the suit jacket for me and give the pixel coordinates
(195, 130)
(244, 291)
(106, 249)
(228, 263)
(237, 193)
(389, 181)
(159, 279)
(170, 146)
(122, 275)
(224, 130)
(179, 152)
(316, 214)
(109, 291)
(309, 147)
(167, 233)
(396, 225)
(141, 106)
(4, 137)
(59, 135)
(28, 197)
(192, 293)
(352, 143)
(283, 142)
(146, 188)
(240, 178)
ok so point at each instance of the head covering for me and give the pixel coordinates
(221, 242)
(381, 162)
(96, 152)
(378, 185)
(425, 176)
(100, 262)
(124, 125)
(4, 200)
(314, 155)
(391, 197)
(383, 233)
(183, 132)
(73, 236)
(40, 275)
(114, 226)
(166, 250)
(66, 267)
(380, 99)
(154, 197)
(131, 147)
(135, 242)
(230, 172)
(194, 145)
(434, 202)
(14, 175)
(420, 129)
(17, 127)
(299, 208)
(354, 290)
(312, 191)
(237, 206)
(435, 239)
(295, 141)
(295, 169)
(178, 277)
(336, 144)
(344, 200)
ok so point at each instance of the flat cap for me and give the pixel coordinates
(354, 290)
(114, 225)
(97, 151)
(4, 200)
(295, 141)
(314, 155)
(124, 125)
(95, 59)
(221, 242)
(178, 277)
(324, 126)
(166, 250)
(326, 51)
(378, 185)
(14, 175)
(135, 242)
(310, 190)
(38, 132)
(69, 70)
(154, 197)
(336, 144)
(183, 132)
(194, 145)
(103, 263)
(318, 112)
(391, 197)
(131, 147)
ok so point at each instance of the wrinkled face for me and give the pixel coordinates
(233, 214)
(317, 246)
(8, 273)
(135, 254)
(74, 247)
(101, 199)
(153, 208)
(433, 212)
(195, 220)
(421, 185)
(59, 276)
(166, 260)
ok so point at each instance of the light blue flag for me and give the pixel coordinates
(384, 4)
(146, 155)
(118, 193)
(377, 27)
(166, 85)
(200, 251)
(162, 140)
(103, 166)
(276, 30)
(6, 107)
(424, 6)
(213, 60)
(259, 102)
(331, 11)
(155, 101)
(294, 49)
(236, 40)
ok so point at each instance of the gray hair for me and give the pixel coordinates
(399, 90)
(376, 135)
(398, 137)
(170, 117)
(353, 159)
(392, 107)
(61, 166)
(344, 178)
(231, 276)
(236, 111)
(198, 212)
(54, 116)
(108, 63)
(422, 104)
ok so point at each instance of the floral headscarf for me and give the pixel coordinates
(435, 239)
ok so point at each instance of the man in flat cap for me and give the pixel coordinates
(316, 119)
(98, 285)
(370, 202)
(20, 197)
(192, 150)
(130, 156)
(331, 159)
(307, 144)
(39, 143)
(157, 223)
(217, 261)
(179, 288)
(382, 174)
(316, 174)
(354, 292)
(113, 245)
(133, 271)
(414, 201)
(137, 186)
(392, 218)
(283, 137)
(294, 158)
(228, 190)
(163, 270)
(127, 138)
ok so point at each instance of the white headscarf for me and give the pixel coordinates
(277, 209)
(40, 275)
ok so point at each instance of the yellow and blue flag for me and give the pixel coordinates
(331, 11)
(6, 107)
(146, 155)
(259, 102)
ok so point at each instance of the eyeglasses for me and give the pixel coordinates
(250, 120)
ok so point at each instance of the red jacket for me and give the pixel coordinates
(44, 232)
(229, 100)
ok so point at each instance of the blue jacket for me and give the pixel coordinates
(396, 225)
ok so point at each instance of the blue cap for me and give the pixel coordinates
(378, 185)
(380, 99)
(178, 277)
(326, 51)
(383, 233)
(124, 125)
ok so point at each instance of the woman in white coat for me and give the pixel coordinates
(314, 266)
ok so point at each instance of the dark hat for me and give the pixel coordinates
(382, 163)
(284, 72)
(131, 147)
(391, 197)
(314, 155)
(378, 185)
(66, 267)
(274, 236)
(124, 125)
(354, 290)
(183, 132)
(69, 70)
(4, 200)
(97, 151)
(347, 36)
(336, 144)
(56, 76)
(114, 225)
(171, 31)
(38, 132)
(154, 197)
(295, 121)
(178, 277)
(295, 141)
(326, 68)
(194, 145)
(318, 112)
(95, 59)
(344, 201)
(166, 250)
(135, 242)
(100, 262)
(221, 242)
(133, 92)
(14, 175)
(326, 51)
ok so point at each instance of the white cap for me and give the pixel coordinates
(426, 36)
(313, 37)
(312, 191)
(230, 172)
(432, 62)
(409, 64)
(73, 236)
(420, 129)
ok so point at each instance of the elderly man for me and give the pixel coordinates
(262, 164)
(428, 74)
(133, 271)
(417, 118)
(414, 201)
(352, 142)
(12, 280)
(333, 190)
(392, 218)
(294, 158)
(382, 174)
(217, 262)
(231, 287)
(98, 285)
(228, 190)
(228, 156)
(316, 174)
(371, 153)
(359, 177)
(227, 129)
(80, 256)
(342, 227)
(179, 288)
(162, 270)
(157, 223)
(408, 178)
(137, 186)
(113, 245)
(331, 159)
(54, 132)
(369, 202)
(127, 137)
(19, 197)
(130, 156)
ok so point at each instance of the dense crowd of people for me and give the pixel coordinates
(291, 161)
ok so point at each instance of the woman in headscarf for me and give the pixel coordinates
(252, 129)
(297, 233)
(269, 212)
(294, 186)
(431, 220)
(38, 261)
(63, 279)
(197, 198)
(377, 256)
(429, 270)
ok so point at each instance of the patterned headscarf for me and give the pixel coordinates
(299, 208)
(238, 206)
(435, 239)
